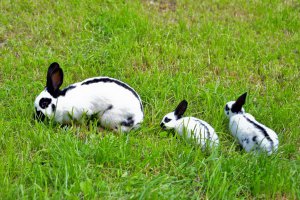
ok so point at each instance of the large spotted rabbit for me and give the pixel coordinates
(116, 104)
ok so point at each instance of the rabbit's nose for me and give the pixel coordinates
(162, 125)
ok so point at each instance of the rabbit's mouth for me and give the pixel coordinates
(39, 116)
(163, 126)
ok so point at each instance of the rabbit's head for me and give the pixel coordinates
(169, 121)
(45, 102)
(235, 107)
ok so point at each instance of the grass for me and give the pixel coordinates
(208, 53)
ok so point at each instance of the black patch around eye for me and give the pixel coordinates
(226, 107)
(167, 120)
(44, 102)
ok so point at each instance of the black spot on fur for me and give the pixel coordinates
(167, 120)
(128, 123)
(108, 108)
(109, 80)
(53, 107)
(245, 140)
(44, 102)
(254, 139)
(262, 129)
(65, 90)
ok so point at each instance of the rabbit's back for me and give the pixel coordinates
(251, 134)
(101, 95)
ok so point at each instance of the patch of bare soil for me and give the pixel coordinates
(162, 5)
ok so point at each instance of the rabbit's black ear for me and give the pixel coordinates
(237, 106)
(55, 77)
(180, 109)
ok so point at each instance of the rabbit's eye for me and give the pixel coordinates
(44, 102)
(167, 120)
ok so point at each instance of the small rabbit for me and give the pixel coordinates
(251, 134)
(115, 103)
(190, 127)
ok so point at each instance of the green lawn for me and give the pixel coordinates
(207, 53)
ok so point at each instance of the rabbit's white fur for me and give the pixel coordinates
(190, 127)
(251, 134)
(116, 106)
